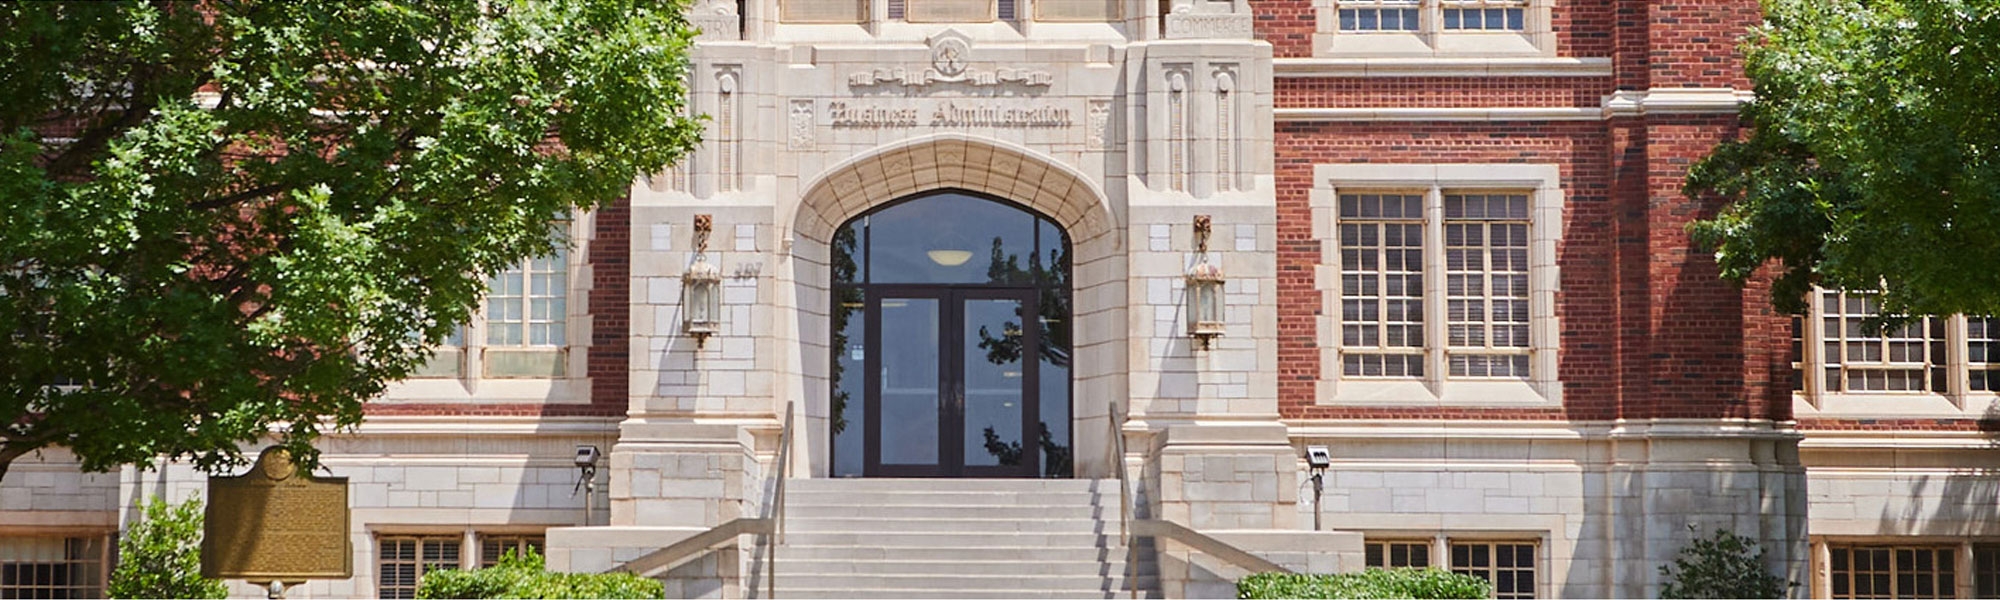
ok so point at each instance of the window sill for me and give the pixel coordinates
(551, 390)
(1440, 66)
(1455, 393)
(1441, 45)
(1893, 406)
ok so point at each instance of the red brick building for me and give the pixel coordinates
(1443, 239)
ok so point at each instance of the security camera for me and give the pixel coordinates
(586, 456)
(1318, 457)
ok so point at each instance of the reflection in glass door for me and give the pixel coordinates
(950, 341)
(951, 393)
(909, 394)
(996, 392)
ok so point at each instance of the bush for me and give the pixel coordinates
(1724, 565)
(1372, 583)
(525, 576)
(160, 556)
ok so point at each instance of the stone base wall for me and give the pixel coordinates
(719, 573)
(1606, 504)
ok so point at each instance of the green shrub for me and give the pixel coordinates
(525, 576)
(160, 556)
(1372, 583)
(1724, 565)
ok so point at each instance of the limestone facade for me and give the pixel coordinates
(1650, 404)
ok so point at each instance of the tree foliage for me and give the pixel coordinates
(160, 555)
(1874, 158)
(524, 576)
(228, 217)
(1723, 565)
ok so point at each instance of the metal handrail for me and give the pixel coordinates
(1161, 528)
(784, 473)
(1117, 422)
(678, 552)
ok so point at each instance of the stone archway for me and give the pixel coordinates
(956, 161)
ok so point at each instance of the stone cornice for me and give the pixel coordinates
(1530, 113)
(1538, 429)
(1442, 67)
(460, 425)
(1675, 101)
(1658, 101)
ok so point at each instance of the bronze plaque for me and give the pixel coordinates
(277, 523)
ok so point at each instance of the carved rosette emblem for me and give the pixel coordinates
(949, 57)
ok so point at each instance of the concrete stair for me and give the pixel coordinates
(957, 538)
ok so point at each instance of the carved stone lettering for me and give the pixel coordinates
(1218, 25)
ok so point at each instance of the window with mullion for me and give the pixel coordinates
(1485, 15)
(1986, 570)
(1905, 358)
(1390, 554)
(402, 562)
(1891, 572)
(1509, 566)
(1382, 285)
(492, 547)
(525, 305)
(1379, 15)
(1982, 353)
(1486, 284)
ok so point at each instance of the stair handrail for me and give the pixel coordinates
(678, 552)
(1162, 528)
(1117, 422)
(784, 473)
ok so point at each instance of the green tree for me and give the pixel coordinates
(1873, 161)
(1723, 565)
(232, 219)
(160, 556)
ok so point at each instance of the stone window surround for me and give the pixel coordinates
(1542, 389)
(1814, 401)
(469, 538)
(1431, 39)
(471, 384)
(1441, 541)
(1964, 568)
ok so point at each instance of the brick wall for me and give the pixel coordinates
(1579, 148)
(1582, 27)
(1648, 328)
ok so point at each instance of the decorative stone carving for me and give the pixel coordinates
(950, 64)
(1225, 127)
(729, 140)
(1178, 139)
(801, 125)
(1098, 121)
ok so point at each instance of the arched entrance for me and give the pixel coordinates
(990, 169)
(951, 340)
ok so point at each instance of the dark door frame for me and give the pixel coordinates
(951, 460)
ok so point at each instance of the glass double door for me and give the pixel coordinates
(953, 381)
